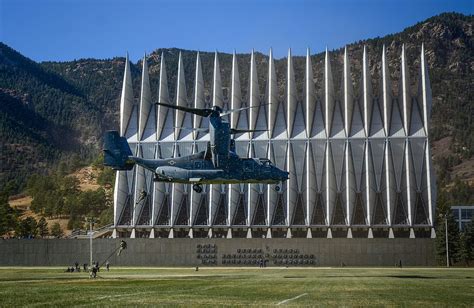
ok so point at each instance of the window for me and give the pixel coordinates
(467, 213)
(455, 213)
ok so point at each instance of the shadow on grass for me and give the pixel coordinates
(413, 277)
(294, 277)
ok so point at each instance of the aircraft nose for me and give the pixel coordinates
(285, 175)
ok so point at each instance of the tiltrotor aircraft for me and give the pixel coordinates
(219, 164)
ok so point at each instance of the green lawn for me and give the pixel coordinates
(239, 287)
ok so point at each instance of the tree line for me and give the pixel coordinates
(460, 243)
(57, 196)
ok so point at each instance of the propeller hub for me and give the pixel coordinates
(217, 109)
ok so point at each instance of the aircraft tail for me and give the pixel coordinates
(117, 153)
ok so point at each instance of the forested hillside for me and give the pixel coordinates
(53, 110)
(43, 119)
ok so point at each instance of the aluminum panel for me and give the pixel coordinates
(126, 100)
(309, 93)
(145, 100)
(217, 96)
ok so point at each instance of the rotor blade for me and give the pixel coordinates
(239, 109)
(239, 131)
(193, 129)
(200, 112)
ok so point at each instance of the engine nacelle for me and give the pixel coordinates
(169, 173)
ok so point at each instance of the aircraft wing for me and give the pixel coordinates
(239, 131)
(205, 130)
(200, 112)
(239, 109)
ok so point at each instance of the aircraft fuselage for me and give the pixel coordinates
(195, 169)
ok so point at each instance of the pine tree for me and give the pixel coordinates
(56, 230)
(43, 227)
(8, 217)
(453, 239)
(464, 253)
(469, 230)
(27, 228)
(466, 243)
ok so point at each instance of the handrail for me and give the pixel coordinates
(84, 233)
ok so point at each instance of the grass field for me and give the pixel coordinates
(239, 287)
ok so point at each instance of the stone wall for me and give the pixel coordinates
(222, 252)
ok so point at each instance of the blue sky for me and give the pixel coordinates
(71, 29)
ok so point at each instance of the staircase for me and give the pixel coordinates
(103, 231)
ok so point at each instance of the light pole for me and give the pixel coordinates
(91, 222)
(446, 231)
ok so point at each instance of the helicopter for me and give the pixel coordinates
(218, 164)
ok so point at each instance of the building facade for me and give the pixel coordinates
(359, 162)
(463, 215)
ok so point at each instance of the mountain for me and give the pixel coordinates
(51, 111)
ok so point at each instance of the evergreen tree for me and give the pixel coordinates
(469, 230)
(43, 227)
(107, 216)
(69, 185)
(27, 228)
(464, 253)
(7, 216)
(453, 239)
(462, 193)
(106, 177)
(466, 245)
(56, 230)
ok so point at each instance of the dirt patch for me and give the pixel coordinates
(22, 203)
(87, 177)
(465, 171)
(441, 148)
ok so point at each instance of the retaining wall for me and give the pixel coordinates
(221, 252)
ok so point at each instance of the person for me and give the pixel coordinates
(84, 267)
(123, 245)
(93, 273)
(107, 265)
(76, 265)
(97, 266)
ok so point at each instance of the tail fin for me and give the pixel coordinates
(117, 153)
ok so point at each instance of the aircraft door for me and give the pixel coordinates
(197, 165)
(248, 169)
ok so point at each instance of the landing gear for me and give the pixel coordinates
(197, 188)
(278, 187)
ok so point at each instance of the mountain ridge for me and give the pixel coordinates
(89, 89)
